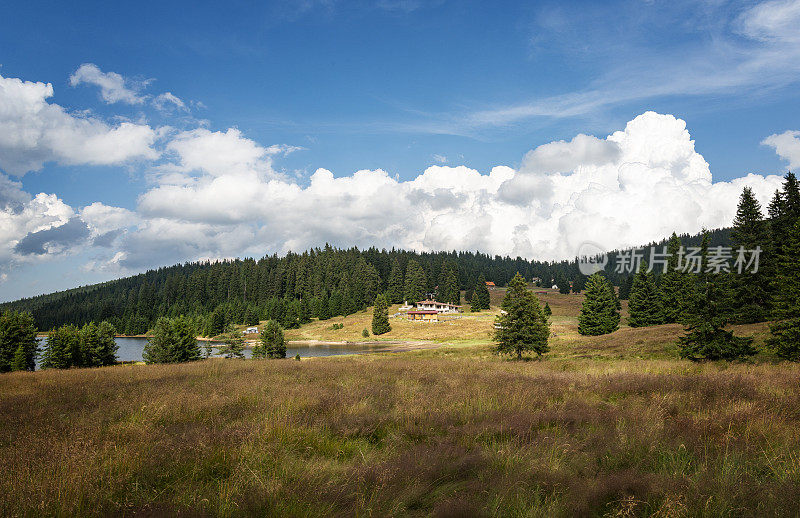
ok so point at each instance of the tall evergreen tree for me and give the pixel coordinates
(521, 326)
(786, 300)
(547, 311)
(380, 316)
(599, 313)
(234, 344)
(475, 303)
(18, 362)
(416, 283)
(625, 287)
(449, 290)
(483, 293)
(58, 349)
(272, 340)
(394, 291)
(705, 336)
(675, 284)
(107, 350)
(172, 341)
(644, 305)
(323, 308)
(751, 290)
(563, 284)
(17, 330)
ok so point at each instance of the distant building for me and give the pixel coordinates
(490, 285)
(423, 315)
(438, 307)
(250, 331)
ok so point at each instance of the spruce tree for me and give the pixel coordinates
(563, 284)
(483, 293)
(17, 329)
(706, 338)
(234, 344)
(323, 309)
(18, 362)
(475, 303)
(547, 311)
(625, 287)
(380, 316)
(675, 284)
(521, 326)
(291, 319)
(644, 305)
(416, 283)
(579, 283)
(57, 352)
(172, 341)
(273, 341)
(394, 290)
(751, 290)
(107, 351)
(449, 290)
(786, 299)
(599, 313)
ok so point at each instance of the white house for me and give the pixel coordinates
(250, 330)
(439, 307)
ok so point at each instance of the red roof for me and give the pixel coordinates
(424, 312)
(489, 283)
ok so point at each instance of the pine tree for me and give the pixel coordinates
(644, 305)
(416, 283)
(394, 291)
(272, 340)
(172, 341)
(675, 284)
(579, 284)
(483, 293)
(449, 290)
(751, 293)
(234, 344)
(521, 326)
(323, 309)
(291, 319)
(625, 287)
(18, 362)
(563, 284)
(380, 316)
(90, 346)
(599, 313)
(17, 329)
(217, 326)
(547, 311)
(107, 350)
(786, 299)
(250, 316)
(475, 303)
(57, 352)
(706, 338)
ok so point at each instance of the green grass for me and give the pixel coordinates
(602, 426)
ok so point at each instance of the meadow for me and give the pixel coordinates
(601, 426)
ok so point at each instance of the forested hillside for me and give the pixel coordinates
(291, 289)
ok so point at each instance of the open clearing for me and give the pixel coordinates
(612, 425)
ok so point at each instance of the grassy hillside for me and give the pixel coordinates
(611, 425)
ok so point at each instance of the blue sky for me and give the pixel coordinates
(389, 87)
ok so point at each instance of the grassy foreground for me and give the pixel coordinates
(610, 426)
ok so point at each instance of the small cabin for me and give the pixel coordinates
(490, 285)
(250, 331)
(423, 315)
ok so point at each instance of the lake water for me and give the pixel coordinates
(130, 349)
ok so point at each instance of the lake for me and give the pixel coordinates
(130, 349)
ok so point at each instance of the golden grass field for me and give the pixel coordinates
(601, 426)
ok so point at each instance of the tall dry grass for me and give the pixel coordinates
(451, 432)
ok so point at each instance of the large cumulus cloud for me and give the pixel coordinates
(218, 195)
(34, 131)
(635, 185)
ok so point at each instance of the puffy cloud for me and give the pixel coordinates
(635, 185)
(33, 131)
(113, 87)
(786, 145)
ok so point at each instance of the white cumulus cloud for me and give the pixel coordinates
(786, 145)
(34, 131)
